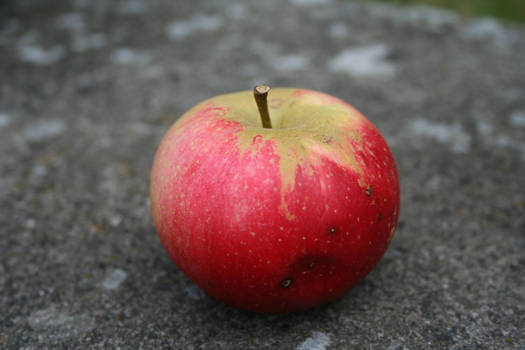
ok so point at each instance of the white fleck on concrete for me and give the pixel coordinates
(431, 18)
(310, 2)
(114, 279)
(71, 21)
(80, 40)
(199, 23)
(43, 130)
(363, 62)
(396, 344)
(338, 30)
(194, 291)
(485, 127)
(452, 134)
(318, 341)
(483, 29)
(83, 41)
(492, 138)
(115, 220)
(516, 118)
(40, 56)
(130, 56)
(237, 11)
(52, 323)
(38, 171)
(132, 7)
(30, 223)
(5, 120)
(152, 72)
(290, 62)
(505, 141)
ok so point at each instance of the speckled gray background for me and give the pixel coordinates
(88, 88)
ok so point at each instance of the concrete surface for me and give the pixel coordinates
(88, 88)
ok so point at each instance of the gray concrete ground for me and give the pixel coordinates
(88, 88)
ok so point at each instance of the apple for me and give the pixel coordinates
(276, 203)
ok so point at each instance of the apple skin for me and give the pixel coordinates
(275, 220)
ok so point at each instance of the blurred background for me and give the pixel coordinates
(89, 87)
(513, 10)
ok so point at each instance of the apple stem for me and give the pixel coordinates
(260, 93)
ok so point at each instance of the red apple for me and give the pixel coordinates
(274, 219)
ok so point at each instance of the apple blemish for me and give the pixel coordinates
(287, 282)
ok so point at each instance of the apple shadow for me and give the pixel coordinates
(210, 320)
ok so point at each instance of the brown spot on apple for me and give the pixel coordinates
(369, 191)
(287, 282)
(326, 139)
(332, 231)
(379, 217)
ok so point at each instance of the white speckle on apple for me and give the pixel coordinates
(318, 341)
(363, 61)
(43, 130)
(290, 62)
(113, 279)
(452, 134)
(199, 23)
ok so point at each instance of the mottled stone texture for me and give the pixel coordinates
(88, 88)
